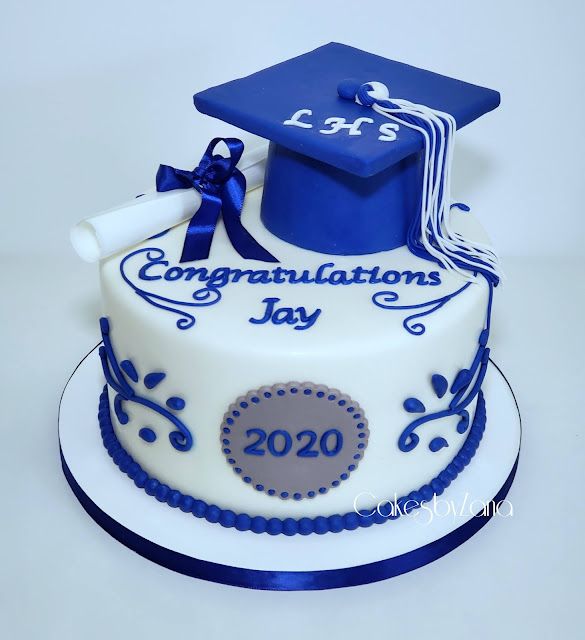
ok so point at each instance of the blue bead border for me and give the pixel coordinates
(320, 391)
(287, 526)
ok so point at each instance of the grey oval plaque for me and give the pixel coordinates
(294, 440)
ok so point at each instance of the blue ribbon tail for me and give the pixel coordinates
(233, 196)
(201, 229)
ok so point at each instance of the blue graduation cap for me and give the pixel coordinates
(344, 170)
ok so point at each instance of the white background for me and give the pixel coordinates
(94, 96)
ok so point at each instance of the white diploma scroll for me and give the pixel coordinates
(122, 227)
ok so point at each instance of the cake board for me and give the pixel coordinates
(204, 550)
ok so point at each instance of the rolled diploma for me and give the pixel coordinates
(116, 229)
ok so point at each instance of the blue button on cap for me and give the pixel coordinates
(348, 88)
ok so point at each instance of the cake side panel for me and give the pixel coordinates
(369, 353)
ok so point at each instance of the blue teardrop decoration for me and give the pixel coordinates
(414, 405)
(461, 206)
(436, 444)
(463, 423)
(154, 378)
(440, 384)
(129, 369)
(176, 403)
(147, 434)
(462, 379)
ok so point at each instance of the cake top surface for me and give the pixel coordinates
(265, 102)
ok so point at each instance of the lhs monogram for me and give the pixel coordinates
(336, 124)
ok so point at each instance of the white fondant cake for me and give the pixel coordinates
(354, 346)
(293, 356)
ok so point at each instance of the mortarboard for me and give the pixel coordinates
(341, 177)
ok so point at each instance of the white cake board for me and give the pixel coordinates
(201, 549)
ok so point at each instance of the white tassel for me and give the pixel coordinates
(436, 234)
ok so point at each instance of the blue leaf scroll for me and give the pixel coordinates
(387, 300)
(464, 389)
(202, 298)
(117, 375)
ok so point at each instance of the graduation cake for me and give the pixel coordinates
(295, 341)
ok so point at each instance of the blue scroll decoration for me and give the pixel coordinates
(201, 298)
(464, 388)
(118, 376)
(387, 300)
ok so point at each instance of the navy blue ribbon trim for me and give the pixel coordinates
(285, 580)
(223, 189)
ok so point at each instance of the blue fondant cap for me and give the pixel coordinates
(317, 81)
(363, 173)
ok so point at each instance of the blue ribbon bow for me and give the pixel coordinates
(223, 188)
